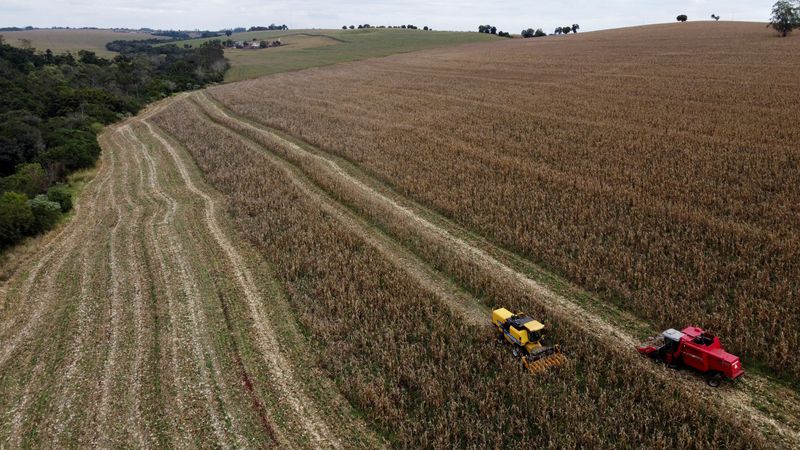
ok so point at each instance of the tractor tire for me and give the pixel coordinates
(714, 380)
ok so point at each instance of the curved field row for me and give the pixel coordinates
(145, 324)
(430, 251)
(639, 163)
(758, 400)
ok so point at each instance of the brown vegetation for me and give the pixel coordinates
(419, 370)
(655, 166)
(146, 323)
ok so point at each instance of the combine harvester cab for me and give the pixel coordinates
(697, 349)
(525, 336)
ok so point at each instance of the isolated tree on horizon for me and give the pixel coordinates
(558, 30)
(785, 17)
(575, 28)
(715, 17)
(682, 18)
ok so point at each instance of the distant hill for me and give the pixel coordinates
(64, 40)
(311, 48)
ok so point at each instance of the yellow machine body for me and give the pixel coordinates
(525, 335)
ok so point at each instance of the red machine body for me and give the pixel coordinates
(694, 348)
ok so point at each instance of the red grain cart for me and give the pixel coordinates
(695, 348)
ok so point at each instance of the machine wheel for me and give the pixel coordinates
(516, 352)
(714, 380)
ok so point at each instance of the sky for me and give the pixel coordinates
(508, 15)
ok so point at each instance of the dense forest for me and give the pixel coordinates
(53, 106)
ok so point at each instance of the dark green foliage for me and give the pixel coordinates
(785, 17)
(61, 195)
(270, 27)
(75, 149)
(53, 106)
(16, 218)
(176, 35)
(45, 214)
(29, 179)
(20, 139)
(530, 33)
(682, 18)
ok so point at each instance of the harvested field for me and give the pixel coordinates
(73, 40)
(654, 166)
(146, 323)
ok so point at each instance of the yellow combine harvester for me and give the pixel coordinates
(525, 336)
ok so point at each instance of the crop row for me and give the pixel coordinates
(668, 187)
(421, 373)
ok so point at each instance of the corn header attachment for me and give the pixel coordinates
(525, 336)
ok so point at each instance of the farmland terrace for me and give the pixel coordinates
(309, 259)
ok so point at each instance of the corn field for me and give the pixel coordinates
(656, 169)
(421, 373)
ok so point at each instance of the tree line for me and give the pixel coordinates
(404, 27)
(52, 106)
(527, 33)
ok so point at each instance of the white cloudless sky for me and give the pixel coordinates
(509, 15)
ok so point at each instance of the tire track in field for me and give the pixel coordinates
(64, 247)
(315, 429)
(65, 413)
(168, 208)
(201, 351)
(433, 281)
(72, 234)
(449, 236)
(116, 281)
(135, 419)
(258, 404)
(130, 213)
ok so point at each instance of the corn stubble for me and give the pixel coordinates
(657, 167)
(422, 374)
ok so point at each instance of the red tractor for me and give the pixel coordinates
(695, 348)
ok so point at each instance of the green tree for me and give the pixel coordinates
(682, 18)
(785, 17)
(61, 195)
(45, 214)
(20, 139)
(29, 179)
(16, 218)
